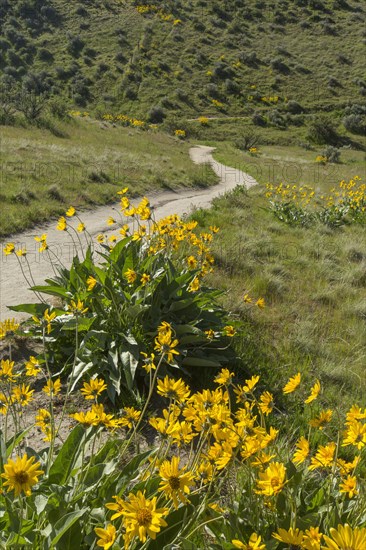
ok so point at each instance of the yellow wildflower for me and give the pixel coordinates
(292, 384)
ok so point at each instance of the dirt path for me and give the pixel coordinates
(13, 288)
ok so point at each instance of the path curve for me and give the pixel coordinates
(14, 290)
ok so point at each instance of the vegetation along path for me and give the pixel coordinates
(13, 289)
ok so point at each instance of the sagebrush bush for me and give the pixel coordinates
(157, 114)
(355, 123)
(332, 154)
(323, 132)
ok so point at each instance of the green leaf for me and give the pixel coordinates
(315, 499)
(130, 364)
(32, 309)
(40, 503)
(110, 448)
(3, 456)
(176, 521)
(70, 451)
(97, 472)
(281, 503)
(181, 304)
(15, 538)
(52, 290)
(83, 323)
(114, 375)
(80, 369)
(132, 467)
(117, 250)
(101, 274)
(290, 469)
(63, 525)
(304, 522)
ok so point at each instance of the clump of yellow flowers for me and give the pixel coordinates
(301, 204)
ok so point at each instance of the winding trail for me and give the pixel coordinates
(13, 288)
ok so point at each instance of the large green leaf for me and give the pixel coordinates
(118, 249)
(96, 473)
(52, 290)
(62, 526)
(130, 364)
(109, 449)
(66, 459)
(32, 309)
(131, 469)
(113, 375)
(80, 369)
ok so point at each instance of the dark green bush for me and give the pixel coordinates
(332, 154)
(323, 132)
(156, 115)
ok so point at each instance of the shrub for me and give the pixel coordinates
(213, 91)
(32, 105)
(332, 154)
(75, 45)
(58, 108)
(356, 124)
(249, 59)
(98, 177)
(222, 71)
(156, 115)
(299, 205)
(14, 59)
(54, 192)
(277, 119)
(137, 291)
(247, 140)
(45, 55)
(181, 94)
(25, 196)
(294, 107)
(333, 82)
(131, 93)
(341, 58)
(62, 73)
(322, 132)
(102, 68)
(231, 87)
(120, 57)
(280, 66)
(258, 119)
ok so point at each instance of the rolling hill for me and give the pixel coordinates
(186, 58)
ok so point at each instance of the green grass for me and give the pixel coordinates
(313, 281)
(130, 62)
(42, 174)
(293, 165)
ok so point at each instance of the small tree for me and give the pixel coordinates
(31, 104)
(247, 140)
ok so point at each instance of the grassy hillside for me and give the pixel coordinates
(187, 58)
(42, 173)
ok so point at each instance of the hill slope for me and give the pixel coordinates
(186, 57)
